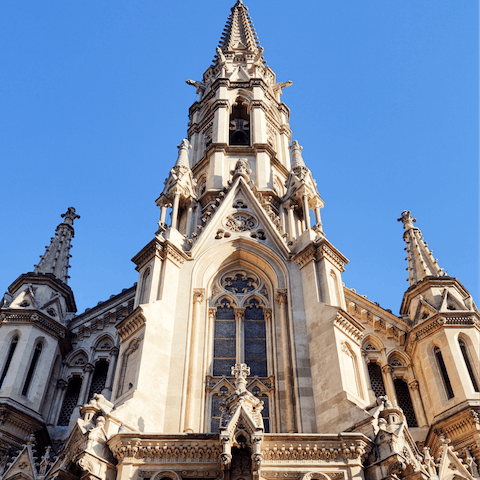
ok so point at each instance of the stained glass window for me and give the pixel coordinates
(224, 344)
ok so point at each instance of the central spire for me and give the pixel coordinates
(239, 33)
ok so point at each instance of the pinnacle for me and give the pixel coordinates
(57, 254)
(421, 262)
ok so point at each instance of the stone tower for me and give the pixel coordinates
(34, 316)
(242, 273)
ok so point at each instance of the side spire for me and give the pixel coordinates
(421, 263)
(57, 254)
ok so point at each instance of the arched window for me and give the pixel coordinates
(405, 401)
(376, 379)
(11, 351)
(99, 378)
(31, 369)
(70, 401)
(443, 373)
(225, 339)
(239, 124)
(335, 291)
(145, 287)
(255, 339)
(466, 358)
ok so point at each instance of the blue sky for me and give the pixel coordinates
(93, 102)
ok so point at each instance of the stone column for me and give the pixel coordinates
(417, 404)
(388, 382)
(189, 219)
(192, 378)
(163, 213)
(56, 405)
(291, 223)
(306, 212)
(240, 318)
(176, 202)
(281, 298)
(107, 391)
(82, 397)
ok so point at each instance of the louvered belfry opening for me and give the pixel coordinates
(405, 401)
(70, 401)
(99, 378)
(376, 379)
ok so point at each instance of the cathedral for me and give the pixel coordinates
(239, 354)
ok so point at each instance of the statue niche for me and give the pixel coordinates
(239, 124)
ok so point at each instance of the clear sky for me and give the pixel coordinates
(93, 102)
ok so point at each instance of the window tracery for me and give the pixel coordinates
(241, 317)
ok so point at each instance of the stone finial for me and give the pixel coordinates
(183, 148)
(296, 154)
(407, 220)
(69, 216)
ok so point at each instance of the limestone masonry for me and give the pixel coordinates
(239, 354)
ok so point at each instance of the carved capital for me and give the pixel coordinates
(239, 313)
(198, 295)
(387, 369)
(211, 313)
(413, 385)
(268, 314)
(62, 384)
(114, 352)
(281, 295)
(88, 368)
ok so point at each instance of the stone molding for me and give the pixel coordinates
(153, 249)
(168, 449)
(347, 324)
(304, 257)
(437, 322)
(131, 325)
(36, 318)
(328, 251)
(174, 255)
(314, 448)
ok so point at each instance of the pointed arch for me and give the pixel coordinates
(105, 342)
(464, 343)
(397, 358)
(8, 360)
(34, 361)
(77, 358)
(442, 369)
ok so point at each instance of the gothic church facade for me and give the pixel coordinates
(239, 354)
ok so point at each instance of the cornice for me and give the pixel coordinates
(201, 448)
(306, 256)
(131, 325)
(36, 318)
(314, 448)
(438, 321)
(349, 325)
(151, 250)
(426, 283)
(326, 250)
(46, 279)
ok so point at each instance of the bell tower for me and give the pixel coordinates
(240, 270)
